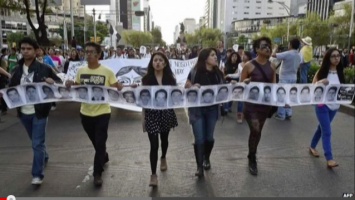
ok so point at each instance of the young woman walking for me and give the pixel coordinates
(158, 121)
(203, 119)
(330, 72)
(258, 70)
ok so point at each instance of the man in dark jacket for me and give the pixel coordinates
(34, 117)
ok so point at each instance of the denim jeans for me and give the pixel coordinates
(228, 106)
(325, 117)
(36, 129)
(304, 68)
(203, 127)
(239, 107)
(281, 111)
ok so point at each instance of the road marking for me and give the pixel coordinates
(87, 177)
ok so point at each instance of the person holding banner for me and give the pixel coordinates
(203, 119)
(157, 122)
(258, 70)
(34, 117)
(330, 72)
(95, 118)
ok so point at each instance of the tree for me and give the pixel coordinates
(242, 40)
(24, 6)
(157, 37)
(101, 31)
(137, 38)
(207, 37)
(14, 38)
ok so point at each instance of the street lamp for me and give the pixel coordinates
(289, 15)
(93, 12)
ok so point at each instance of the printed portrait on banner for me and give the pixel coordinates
(267, 94)
(31, 93)
(305, 94)
(129, 97)
(292, 95)
(113, 95)
(176, 98)
(238, 91)
(47, 92)
(82, 93)
(281, 95)
(13, 97)
(223, 92)
(207, 95)
(160, 97)
(192, 97)
(331, 95)
(254, 92)
(98, 94)
(144, 95)
(64, 93)
(318, 94)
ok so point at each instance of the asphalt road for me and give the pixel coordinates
(285, 167)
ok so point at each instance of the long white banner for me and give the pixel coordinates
(164, 97)
(129, 71)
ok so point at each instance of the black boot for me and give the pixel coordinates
(206, 159)
(199, 148)
(253, 168)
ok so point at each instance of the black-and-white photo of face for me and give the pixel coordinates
(14, 96)
(318, 94)
(238, 92)
(31, 93)
(144, 97)
(346, 93)
(64, 93)
(281, 95)
(254, 93)
(331, 94)
(113, 95)
(305, 95)
(82, 93)
(129, 97)
(161, 98)
(222, 94)
(176, 97)
(97, 94)
(48, 92)
(293, 95)
(192, 96)
(267, 94)
(207, 96)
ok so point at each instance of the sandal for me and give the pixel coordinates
(313, 152)
(332, 164)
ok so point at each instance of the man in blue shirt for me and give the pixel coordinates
(291, 60)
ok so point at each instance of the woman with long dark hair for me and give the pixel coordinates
(331, 72)
(203, 119)
(258, 70)
(74, 56)
(157, 122)
(231, 67)
(236, 76)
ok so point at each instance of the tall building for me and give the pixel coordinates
(176, 32)
(323, 8)
(147, 19)
(211, 13)
(190, 25)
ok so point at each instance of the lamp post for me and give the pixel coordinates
(288, 10)
(93, 12)
(351, 23)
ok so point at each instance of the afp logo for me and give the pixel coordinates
(348, 195)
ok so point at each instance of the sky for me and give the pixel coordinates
(167, 14)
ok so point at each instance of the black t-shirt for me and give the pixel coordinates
(231, 68)
(206, 78)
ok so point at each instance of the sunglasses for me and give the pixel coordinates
(265, 46)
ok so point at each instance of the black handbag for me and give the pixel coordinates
(273, 108)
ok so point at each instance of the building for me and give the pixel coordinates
(323, 8)
(211, 13)
(190, 25)
(202, 22)
(147, 19)
(176, 32)
(339, 7)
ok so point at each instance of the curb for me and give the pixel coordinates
(347, 109)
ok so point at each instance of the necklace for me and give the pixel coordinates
(332, 72)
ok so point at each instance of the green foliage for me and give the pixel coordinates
(101, 31)
(14, 38)
(207, 37)
(136, 38)
(157, 37)
(349, 74)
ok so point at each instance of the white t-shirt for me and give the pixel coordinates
(27, 78)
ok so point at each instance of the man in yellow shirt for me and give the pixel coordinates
(95, 117)
(307, 56)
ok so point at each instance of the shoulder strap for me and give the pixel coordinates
(256, 64)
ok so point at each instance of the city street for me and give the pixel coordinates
(286, 169)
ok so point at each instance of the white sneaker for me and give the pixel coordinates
(53, 108)
(37, 181)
